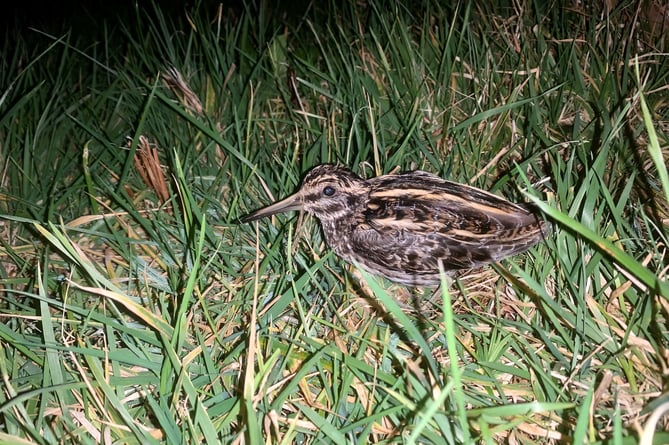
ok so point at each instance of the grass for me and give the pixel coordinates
(135, 308)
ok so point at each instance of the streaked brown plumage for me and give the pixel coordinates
(402, 226)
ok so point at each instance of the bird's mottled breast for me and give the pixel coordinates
(339, 231)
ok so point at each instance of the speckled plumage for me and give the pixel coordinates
(401, 226)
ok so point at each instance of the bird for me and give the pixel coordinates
(406, 226)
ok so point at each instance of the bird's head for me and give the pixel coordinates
(328, 191)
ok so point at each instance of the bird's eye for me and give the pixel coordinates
(328, 191)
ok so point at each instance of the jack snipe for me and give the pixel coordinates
(402, 226)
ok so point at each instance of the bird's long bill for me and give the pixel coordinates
(293, 202)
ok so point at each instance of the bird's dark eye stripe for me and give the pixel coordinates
(328, 191)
